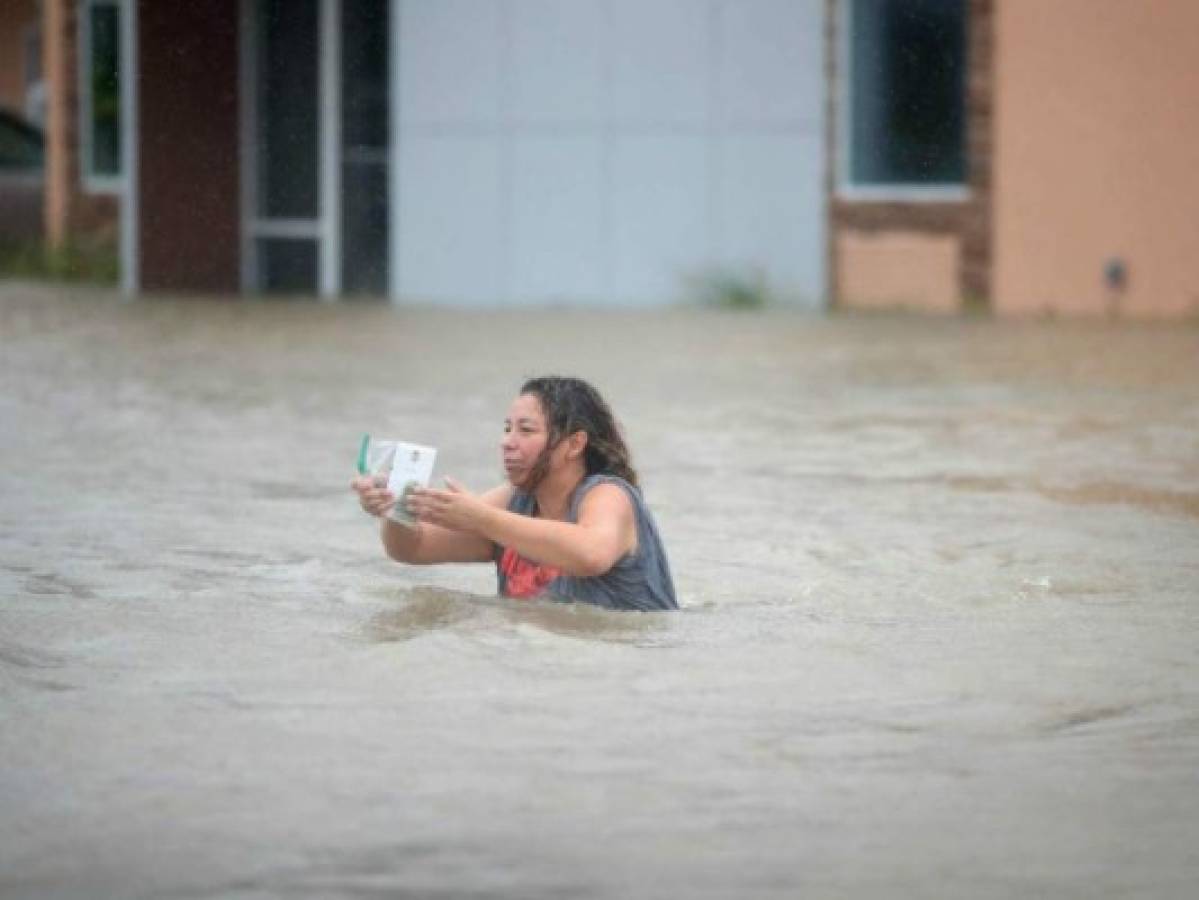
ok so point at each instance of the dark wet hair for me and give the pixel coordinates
(570, 405)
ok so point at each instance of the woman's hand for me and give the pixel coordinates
(373, 496)
(455, 507)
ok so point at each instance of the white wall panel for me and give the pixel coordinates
(606, 151)
(660, 218)
(450, 62)
(769, 211)
(558, 242)
(660, 54)
(771, 68)
(558, 62)
(450, 228)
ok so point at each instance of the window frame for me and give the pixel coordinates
(93, 182)
(846, 188)
(33, 78)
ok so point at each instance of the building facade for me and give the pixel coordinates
(1012, 155)
(1096, 168)
(599, 152)
(911, 86)
(1078, 182)
(21, 115)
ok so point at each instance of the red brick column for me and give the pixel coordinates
(72, 216)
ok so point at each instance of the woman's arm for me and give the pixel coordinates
(605, 532)
(425, 543)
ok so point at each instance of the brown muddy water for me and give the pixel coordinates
(940, 635)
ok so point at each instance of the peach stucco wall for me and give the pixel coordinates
(1096, 155)
(898, 269)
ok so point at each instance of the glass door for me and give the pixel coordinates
(314, 152)
(364, 130)
(284, 225)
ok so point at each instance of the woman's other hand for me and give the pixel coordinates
(455, 507)
(373, 497)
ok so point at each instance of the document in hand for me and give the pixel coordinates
(401, 466)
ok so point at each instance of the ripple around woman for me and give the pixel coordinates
(570, 522)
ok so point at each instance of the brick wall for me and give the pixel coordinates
(969, 220)
(190, 201)
(15, 17)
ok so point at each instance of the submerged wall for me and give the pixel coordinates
(1095, 156)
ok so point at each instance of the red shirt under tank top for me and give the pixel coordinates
(525, 579)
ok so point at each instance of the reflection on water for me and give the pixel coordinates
(939, 628)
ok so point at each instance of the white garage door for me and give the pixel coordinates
(605, 152)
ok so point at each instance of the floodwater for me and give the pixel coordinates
(940, 633)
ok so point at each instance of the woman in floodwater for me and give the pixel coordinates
(569, 523)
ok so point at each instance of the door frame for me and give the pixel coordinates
(325, 227)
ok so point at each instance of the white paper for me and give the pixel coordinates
(406, 466)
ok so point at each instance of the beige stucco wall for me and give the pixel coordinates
(898, 270)
(15, 16)
(1096, 155)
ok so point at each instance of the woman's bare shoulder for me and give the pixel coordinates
(499, 496)
(606, 495)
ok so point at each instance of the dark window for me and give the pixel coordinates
(33, 56)
(288, 265)
(364, 130)
(103, 68)
(20, 145)
(907, 92)
(288, 108)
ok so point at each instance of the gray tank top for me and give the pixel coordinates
(639, 580)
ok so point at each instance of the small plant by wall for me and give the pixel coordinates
(73, 262)
(731, 289)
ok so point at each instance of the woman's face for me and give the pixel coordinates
(525, 437)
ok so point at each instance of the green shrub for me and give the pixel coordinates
(732, 289)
